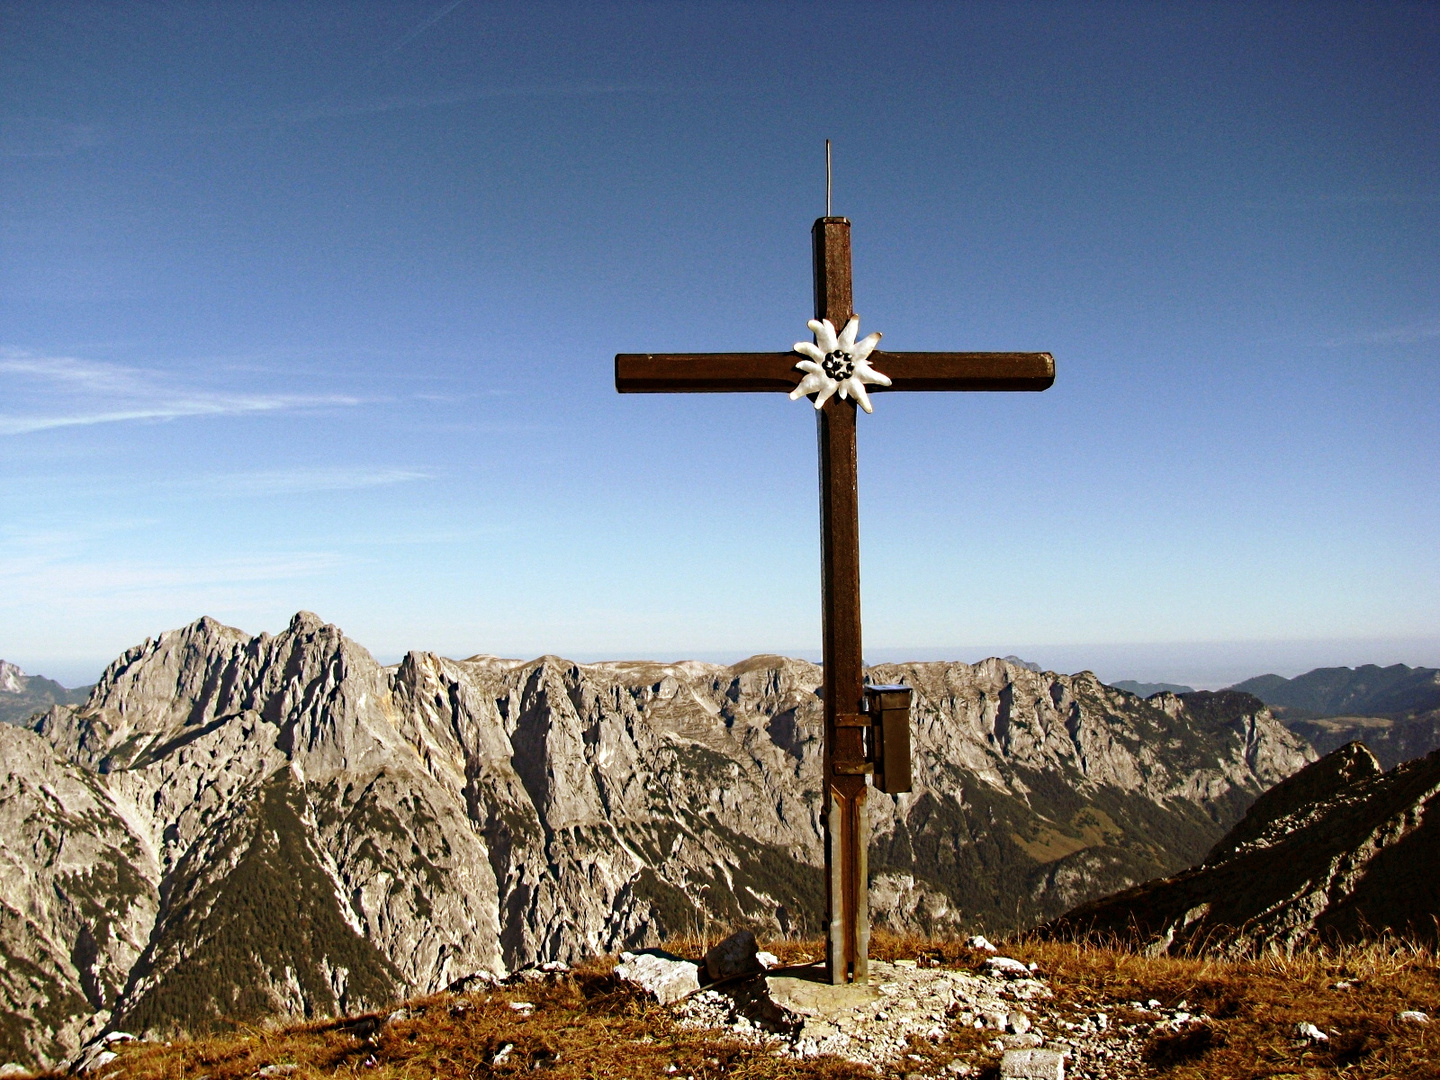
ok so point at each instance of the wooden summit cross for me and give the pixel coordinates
(852, 745)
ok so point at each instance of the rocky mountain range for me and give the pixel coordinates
(1341, 851)
(236, 826)
(1394, 710)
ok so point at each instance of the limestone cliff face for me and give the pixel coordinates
(79, 892)
(305, 831)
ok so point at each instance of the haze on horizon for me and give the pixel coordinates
(313, 306)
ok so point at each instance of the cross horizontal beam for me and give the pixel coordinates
(721, 373)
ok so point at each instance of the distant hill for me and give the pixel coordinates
(1394, 710)
(1341, 691)
(1145, 689)
(22, 696)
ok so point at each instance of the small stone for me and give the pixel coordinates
(1311, 1033)
(979, 942)
(523, 1007)
(767, 959)
(13, 1068)
(1032, 1065)
(1413, 1016)
(504, 1053)
(1004, 965)
(736, 955)
(1026, 1041)
(1018, 1022)
(398, 1015)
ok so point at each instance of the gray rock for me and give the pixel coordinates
(1018, 1022)
(668, 978)
(1007, 966)
(737, 955)
(1032, 1065)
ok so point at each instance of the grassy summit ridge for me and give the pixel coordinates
(587, 1024)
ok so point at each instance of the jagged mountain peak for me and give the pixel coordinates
(1284, 808)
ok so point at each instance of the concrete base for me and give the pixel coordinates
(808, 992)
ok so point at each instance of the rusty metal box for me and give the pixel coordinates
(889, 708)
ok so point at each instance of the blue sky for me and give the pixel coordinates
(314, 306)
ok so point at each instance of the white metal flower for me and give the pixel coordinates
(837, 363)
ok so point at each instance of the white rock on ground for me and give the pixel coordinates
(669, 978)
(1006, 966)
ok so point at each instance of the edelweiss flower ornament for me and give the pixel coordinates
(837, 363)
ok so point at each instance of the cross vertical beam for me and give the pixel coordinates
(844, 790)
(849, 749)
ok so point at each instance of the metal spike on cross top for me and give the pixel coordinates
(866, 727)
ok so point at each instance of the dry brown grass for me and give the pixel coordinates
(1254, 1005)
(590, 1025)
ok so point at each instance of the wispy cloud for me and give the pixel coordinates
(1407, 334)
(304, 481)
(91, 392)
(426, 25)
